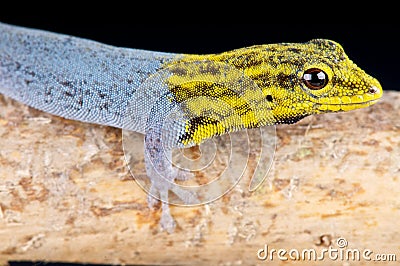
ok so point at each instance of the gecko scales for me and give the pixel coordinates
(201, 96)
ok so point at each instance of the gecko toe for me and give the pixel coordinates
(167, 223)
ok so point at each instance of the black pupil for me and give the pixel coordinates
(315, 78)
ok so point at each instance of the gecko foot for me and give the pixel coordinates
(160, 191)
(167, 223)
(162, 174)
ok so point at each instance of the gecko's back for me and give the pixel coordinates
(72, 77)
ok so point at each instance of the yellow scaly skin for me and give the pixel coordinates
(278, 70)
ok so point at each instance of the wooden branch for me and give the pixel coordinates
(66, 194)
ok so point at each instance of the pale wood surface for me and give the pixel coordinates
(66, 195)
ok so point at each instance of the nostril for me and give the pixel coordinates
(373, 90)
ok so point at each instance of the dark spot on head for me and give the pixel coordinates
(286, 81)
(269, 98)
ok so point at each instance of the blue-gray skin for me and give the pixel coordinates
(86, 81)
(73, 77)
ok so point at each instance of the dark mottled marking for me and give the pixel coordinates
(209, 67)
(182, 93)
(289, 120)
(104, 106)
(194, 124)
(286, 81)
(66, 83)
(201, 88)
(246, 60)
(179, 70)
(47, 91)
(30, 73)
(294, 50)
(69, 94)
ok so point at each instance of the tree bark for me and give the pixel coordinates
(66, 195)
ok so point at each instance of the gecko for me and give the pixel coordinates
(200, 95)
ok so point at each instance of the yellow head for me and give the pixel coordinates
(308, 78)
(292, 81)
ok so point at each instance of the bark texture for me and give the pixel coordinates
(66, 195)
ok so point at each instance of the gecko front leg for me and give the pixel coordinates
(162, 174)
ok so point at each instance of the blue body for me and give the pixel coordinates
(73, 77)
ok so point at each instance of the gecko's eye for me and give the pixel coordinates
(315, 78)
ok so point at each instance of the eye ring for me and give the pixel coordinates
(315, 78)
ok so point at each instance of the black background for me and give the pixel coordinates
(373, 47)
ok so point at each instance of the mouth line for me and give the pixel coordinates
(349, 104)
